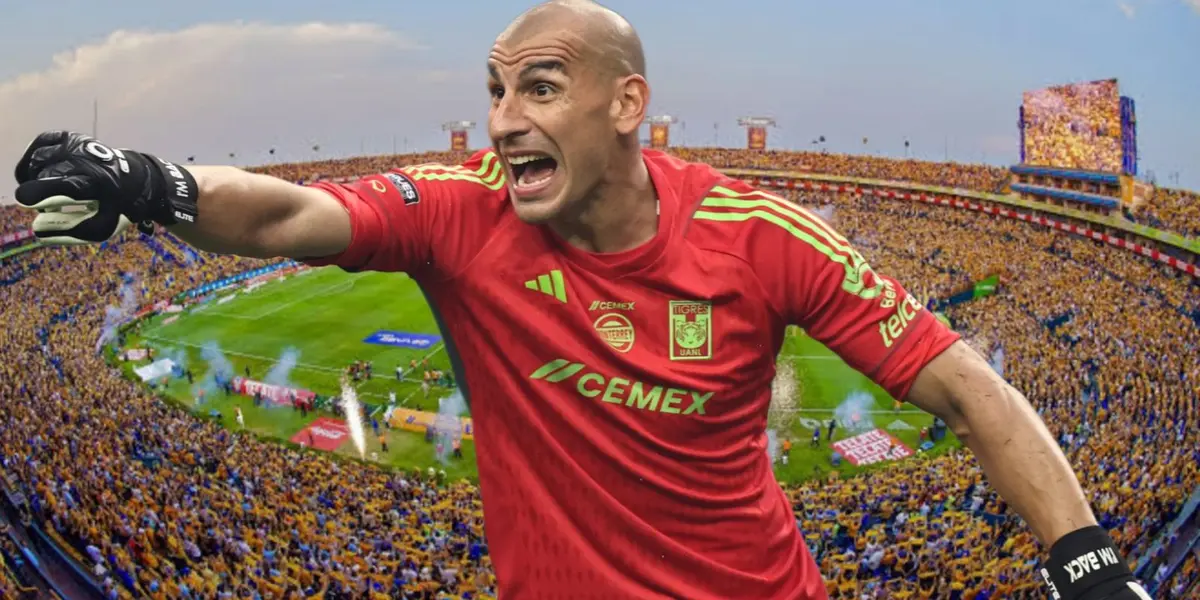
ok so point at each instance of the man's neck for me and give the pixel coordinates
(621, 215)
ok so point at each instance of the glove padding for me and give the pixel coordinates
(87, 192)
(1086, 565)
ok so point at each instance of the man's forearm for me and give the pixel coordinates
(260, 216)
(1022, 461)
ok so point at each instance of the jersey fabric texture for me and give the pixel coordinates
(620, 400)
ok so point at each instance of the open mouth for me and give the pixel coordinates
(532, 170)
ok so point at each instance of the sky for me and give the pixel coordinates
(372, 76)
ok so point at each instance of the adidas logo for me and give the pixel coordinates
(551, 284)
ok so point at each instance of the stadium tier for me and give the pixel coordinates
(1170, 211)
(247, 481)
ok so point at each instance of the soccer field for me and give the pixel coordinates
(319, 320)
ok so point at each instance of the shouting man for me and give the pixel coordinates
(613, 315)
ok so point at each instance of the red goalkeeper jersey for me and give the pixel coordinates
(620, 400)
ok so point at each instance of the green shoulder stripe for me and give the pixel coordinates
(791, 209)
(855, 267)
(489, 174)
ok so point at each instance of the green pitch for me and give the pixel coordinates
(324, 314)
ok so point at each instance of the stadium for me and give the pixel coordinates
(176, 426)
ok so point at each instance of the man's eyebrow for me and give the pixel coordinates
(541, 65)
(544, 65)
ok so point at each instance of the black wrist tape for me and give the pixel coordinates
(178, 192)
(1085, 560)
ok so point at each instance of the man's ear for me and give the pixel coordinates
(629, 103)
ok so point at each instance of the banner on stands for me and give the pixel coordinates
(986, 287)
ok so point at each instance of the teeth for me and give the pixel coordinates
(527, 158)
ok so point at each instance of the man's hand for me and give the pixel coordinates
(1086, 565)
(87, 192)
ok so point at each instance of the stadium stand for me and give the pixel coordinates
(972, 177)
(13, 217)
(153, 501)
(1175, 210)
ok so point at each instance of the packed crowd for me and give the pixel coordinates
(311, 171)
(982, 178)
(1174, 210)
(14, 218)
(171, 506)
(1075, 126)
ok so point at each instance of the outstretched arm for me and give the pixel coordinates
(1016, 450)
(263, 217)
(1029, 471)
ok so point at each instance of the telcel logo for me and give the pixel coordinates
(892, 327)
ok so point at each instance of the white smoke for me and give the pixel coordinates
(854, 413)
(772, 445)
(280, 373)
(220, 370)
(449, 422)
(115, 316)
(179, 356)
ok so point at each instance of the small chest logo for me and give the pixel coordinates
(616, 330)
(691, 330)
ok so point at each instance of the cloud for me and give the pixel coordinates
(1128, 9)
(1195, 4)
(240, 87)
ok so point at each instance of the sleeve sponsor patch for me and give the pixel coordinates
(404, 185)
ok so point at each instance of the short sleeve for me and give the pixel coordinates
(816, 279)
(426, 220)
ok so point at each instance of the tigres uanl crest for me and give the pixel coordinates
(691, 330)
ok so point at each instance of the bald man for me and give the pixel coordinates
(613, 315)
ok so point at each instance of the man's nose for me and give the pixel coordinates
(508, 119)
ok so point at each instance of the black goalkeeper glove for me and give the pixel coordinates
(1086, 565)
(87, 192)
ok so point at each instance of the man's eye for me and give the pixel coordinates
(543, 89)
(497, 92)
